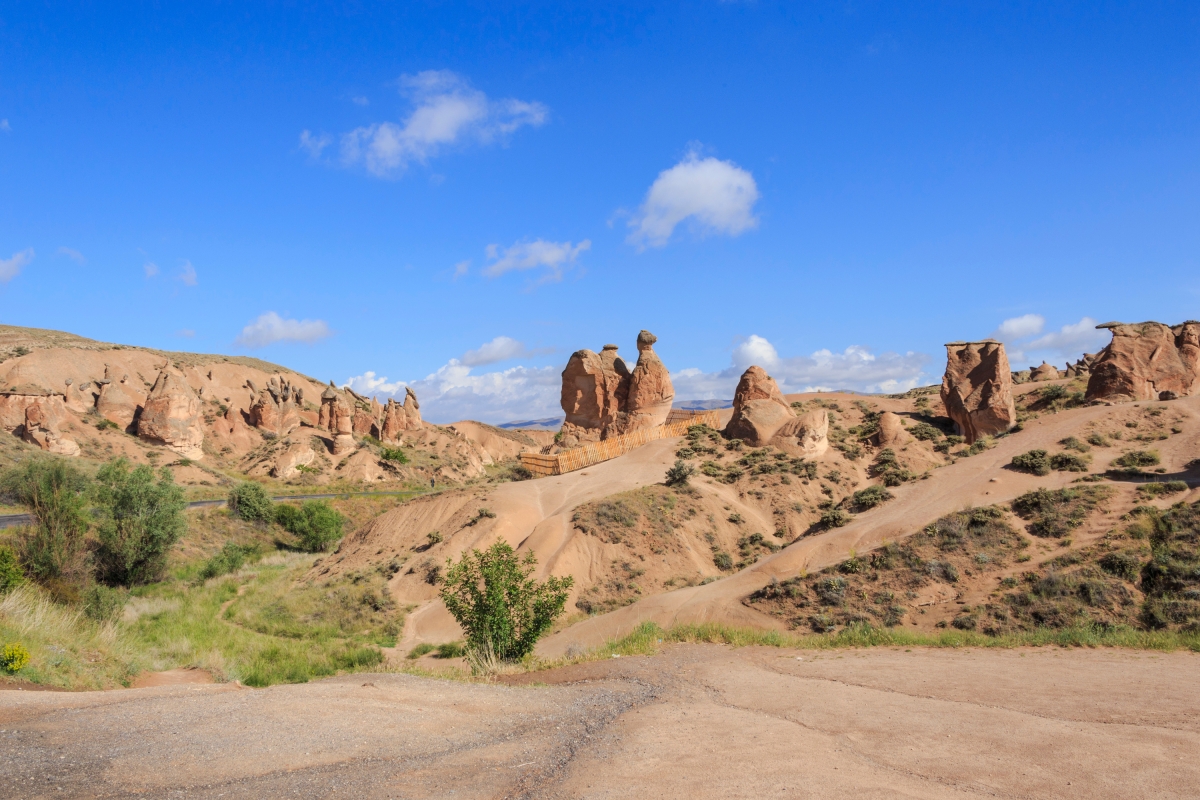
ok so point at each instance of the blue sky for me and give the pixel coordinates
(458, 196)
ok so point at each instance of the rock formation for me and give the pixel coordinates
(277, 407)
(298, 454)
(41, 428)
(118, 401)
(650, 389)
(342, 427)
(412, 410)
(15, 400)
(1082, 367)
(595, 391)
(171, 417)
(891, 431)
(1147, 361)
(1046, 372)
(363, 422)
(328, 399)
(761, 416)
(977, 389)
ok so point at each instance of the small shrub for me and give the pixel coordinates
(11, 575)
(1036, 462)
(249, 501)
(106, 424)
(965, 622)
(679, 474)
(393, 454)
(1136, 459)
(1097, 440)
(434, 537)
(925, 432)
(502, 610)
(55, 494)
(1068, 462)
(520, 472)
(229, 559)
(871, 497)
(13, 657)
(102, 603)
(1052, 393)
(481, 515)
(835, 518)
(420, 650)
(723, 560)
(450, 650)
(831, 590)
(1124, 565)
(1054, 513)
(685, 452)
(1166, 487)
(1072, 443)
(316, 524)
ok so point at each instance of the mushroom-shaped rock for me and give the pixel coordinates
(594, 390)
(41, 427)
(343, 427)
(328, 398)
(412, 409)
(118, 403)
(171, 417)
(977, 389)
(1045, 372)
(759, 408)
(1147, 361)
(650, 390)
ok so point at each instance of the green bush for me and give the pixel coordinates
(925, 432)
(679, 474)
(11, 575)
(1136, 459)
(13, 657)
(1073, 443)
(1053, 513)
(102, 603)
(316, 524)
(229, 559)
(55, 494)
(1156, 489)
(393, 454)
(722, 560)
(871, 497)
(502, 610)
(1035, 461)
(141, 519)
(250, 502)
(1068, 462)
(835, 518)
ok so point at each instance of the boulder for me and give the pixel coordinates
(759, 409)
(807, 435)
(1046, 372)
(171, 417)
(891, 431)
(650, 391)
(297, 454)
(1082, 367)
(1147, 361)
(977, 389)
(595, 390)
(41, 427)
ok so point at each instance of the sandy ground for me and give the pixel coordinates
(697, 721)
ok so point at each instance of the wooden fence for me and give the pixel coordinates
(595, 452)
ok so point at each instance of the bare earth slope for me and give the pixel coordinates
(699, 721)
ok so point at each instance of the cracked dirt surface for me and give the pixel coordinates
(696, 721)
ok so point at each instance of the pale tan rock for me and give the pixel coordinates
(891, 431)
(231, 430)
(328, 399)
(589, 395)
(297, 454)
(362, 467)
(412, 410)
(759, 409)
(342, 421)
(1147, 361)
(119, 403)
(15, 400)
(41, 427)
(650, 390)
(977, 389)
(1046, 372)
(807, 435)
(171, 417)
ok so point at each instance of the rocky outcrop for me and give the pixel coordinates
(232, 432)
(277, 407)
(891, 431)
(595, 391)
(762, 416)
(807, 435)
(328, 398)
(15, 400)
(398, 418)
(41, 427)
(171, 417)
(119, 401)
(412, 410)
(977, 389)
(287, 464)
(363, 422)
(1083, 367)
(650, 390)
(1147, 361)
(342, 427)
(1046, 372)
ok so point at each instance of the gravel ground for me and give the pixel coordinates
(696, 721)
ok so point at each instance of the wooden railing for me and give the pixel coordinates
(595, 452)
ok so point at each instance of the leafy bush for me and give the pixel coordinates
(871, 497)
(1054, 513)
(102, 603)
(500, 607)
(315, 523)
(925, 432)
(54, 493)
(679, 474)
(1068, 462)
(394, 454)
(1072, 443)
(830, 591)
(13, 657)
(722, 560)
(835, 518)
(140, 521)
(229, 559)
(1036, 462)
(11, 575)
(520, 472)
(1052, 393)
(1123, 565)
(1165, 487)
(1136, 459)
(250, 502)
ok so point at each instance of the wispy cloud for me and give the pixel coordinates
(715, 196)
(502, 348)
(461, 268)
(553, 257)
(74, 255)
(10, 267)
(187, 274)
(360, 101)
(1024, 346)
(447, 111)
(314, 145)
(186, 333)
(150, 268)
(270, 328)
(4, 126)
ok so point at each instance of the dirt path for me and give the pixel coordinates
(698, 721)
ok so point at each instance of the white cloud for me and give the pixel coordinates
(460, 269)
(502, 348)
(270, 328)
(187, 274)
(360, 101)
(448, 110)
(4, 126)
(1067, 344)
(1016, 328)
(370, 384)
(553, 256)
(718, 196)
(74, 255)
(314, 145)
(856, 368)
(186, 333)
(10, 267)
(150, 268)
